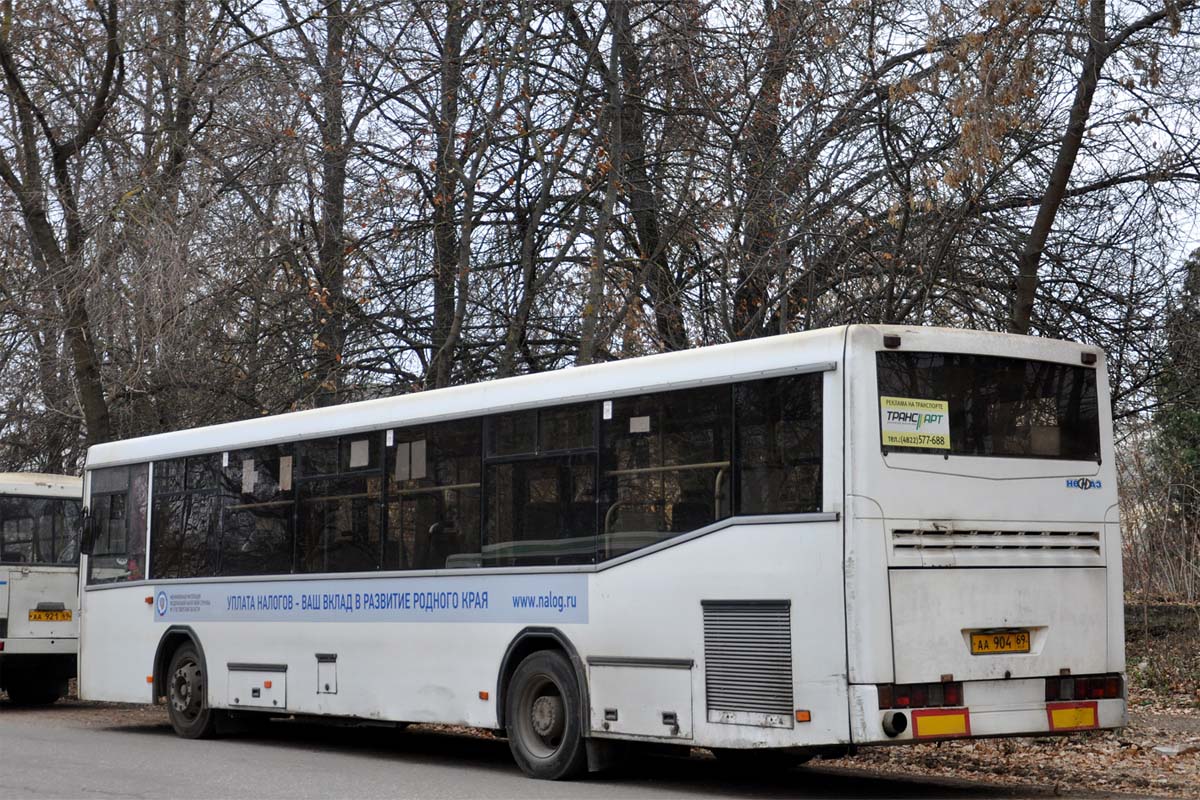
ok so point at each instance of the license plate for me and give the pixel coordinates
(991, 642)
(49, 616)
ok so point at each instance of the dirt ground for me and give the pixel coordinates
(1123, 761)
(1163, 657)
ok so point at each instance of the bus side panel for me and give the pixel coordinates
(398, 671)
(652, 609)
(869, 634)
(649, 609)
(118, 642)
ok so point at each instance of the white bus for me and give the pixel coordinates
(39, 583)
(795, 546)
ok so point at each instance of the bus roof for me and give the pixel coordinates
(746, 360)
(40, 484)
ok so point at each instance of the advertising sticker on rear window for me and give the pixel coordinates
(911, 422)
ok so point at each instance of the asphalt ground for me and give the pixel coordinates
(86, 750)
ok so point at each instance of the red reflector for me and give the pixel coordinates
(920, 695)
(1, 646)
(1094, 687)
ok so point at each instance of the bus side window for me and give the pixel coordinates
(339, 522)
(117, 506)
(256, 528)
(185, 517)
(665, 466)
(541, 487)
(779, 440)
(433, 496)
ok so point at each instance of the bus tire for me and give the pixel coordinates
(187, 694)
(542, 717)
(32, 690)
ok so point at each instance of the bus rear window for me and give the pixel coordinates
(962, 404)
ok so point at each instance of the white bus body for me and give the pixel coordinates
(39, 580)
(896, 593)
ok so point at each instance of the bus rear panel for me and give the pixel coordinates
(984, 561)
(39, 580)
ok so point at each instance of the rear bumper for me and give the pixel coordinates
(24, 646)
(993, 708)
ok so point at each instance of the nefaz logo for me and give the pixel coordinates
(160, 603)
(1083, 483)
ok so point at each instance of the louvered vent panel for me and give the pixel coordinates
(909, 539)
(748, 656)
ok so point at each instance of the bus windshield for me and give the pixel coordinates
(963, 404)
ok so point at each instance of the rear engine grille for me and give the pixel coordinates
(748, 660)
(916, 539)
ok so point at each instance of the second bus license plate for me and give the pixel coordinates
(49, 616)
(990, 642)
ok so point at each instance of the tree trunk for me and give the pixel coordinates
(762, 248)
(331, 254)
(1021, 312)
(665, 292)
(445, 235)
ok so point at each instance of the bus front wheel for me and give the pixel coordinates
(187, 695)
(542, 718)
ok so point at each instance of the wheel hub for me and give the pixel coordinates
(546, 713)
(185, 690)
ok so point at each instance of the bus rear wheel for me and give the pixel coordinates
(187, 695)
(28, 689)
(542, 718)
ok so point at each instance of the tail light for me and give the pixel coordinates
(919, 695)
(1088, 687)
